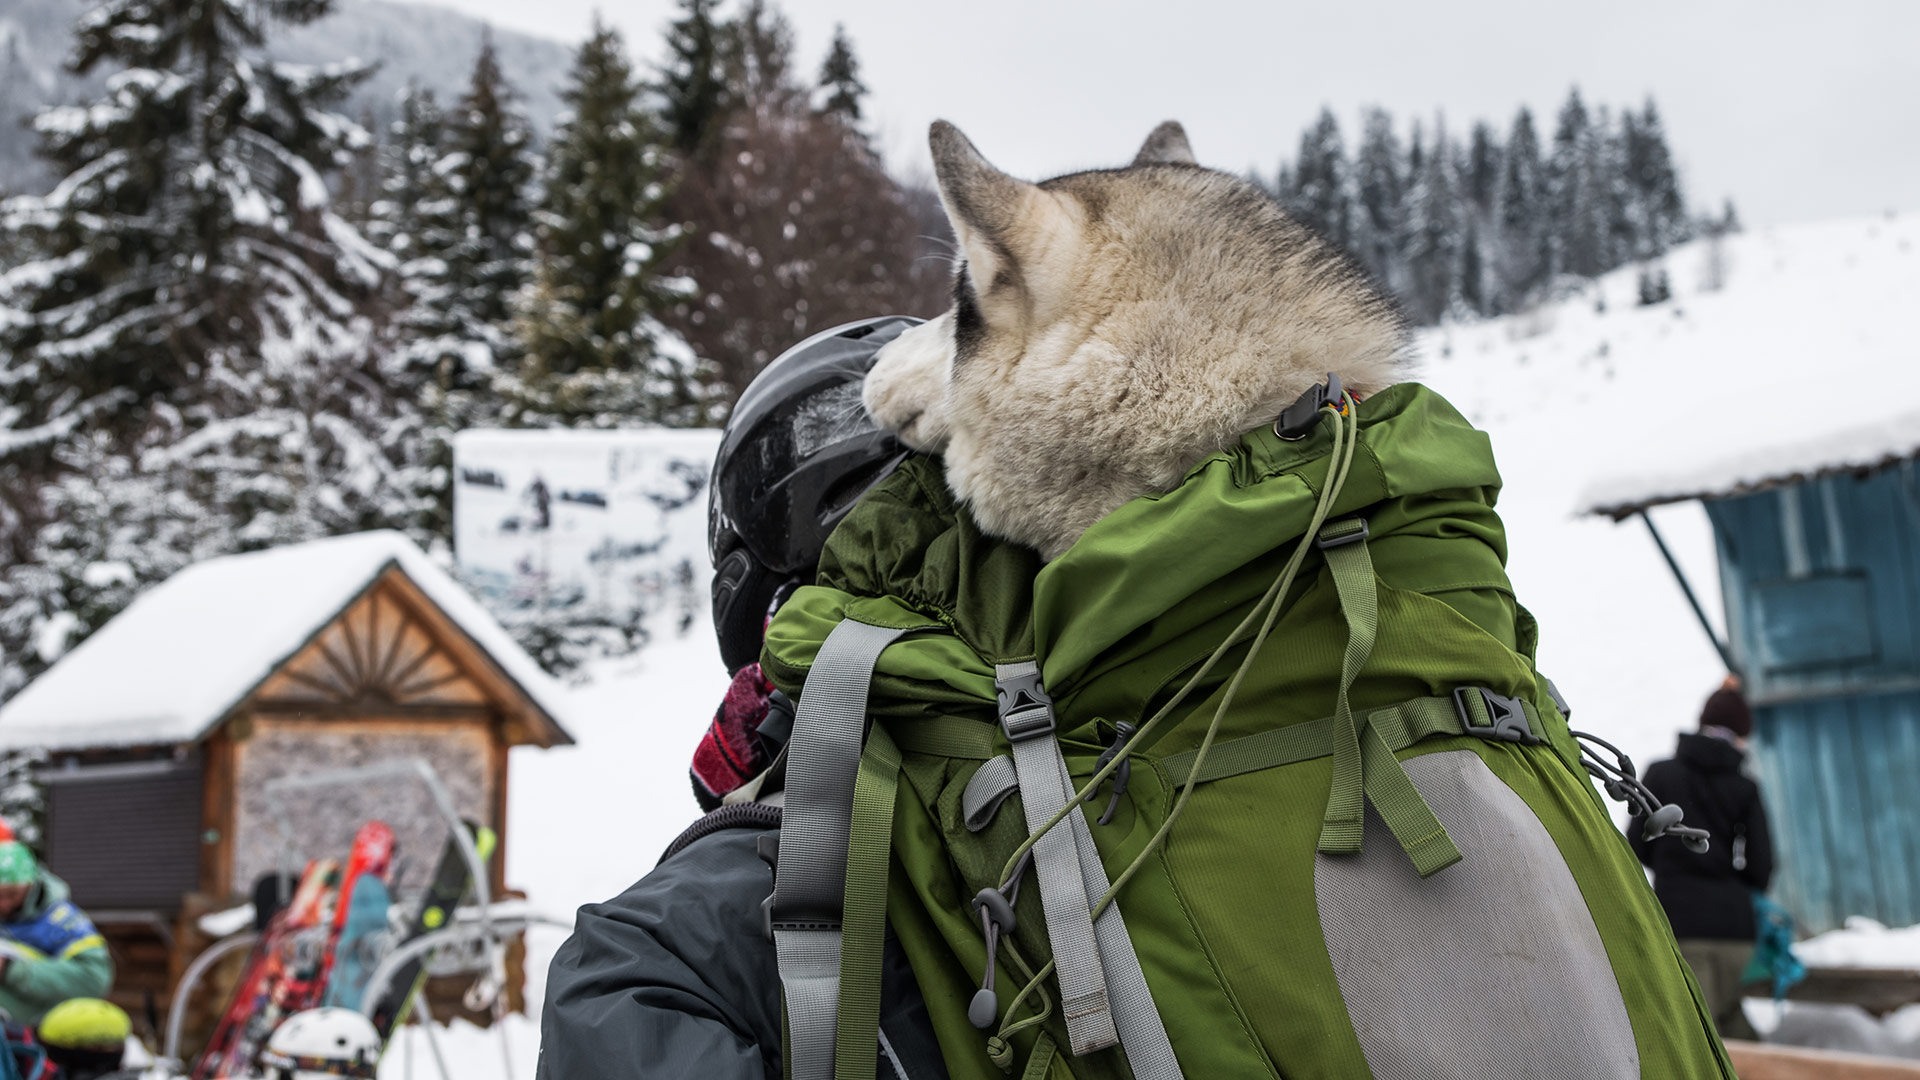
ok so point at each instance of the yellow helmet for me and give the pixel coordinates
(86, 1024)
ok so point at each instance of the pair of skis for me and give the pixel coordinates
(289, 968)
(324, 944)
(239, 1035)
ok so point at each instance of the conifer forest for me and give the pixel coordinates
(240, 317)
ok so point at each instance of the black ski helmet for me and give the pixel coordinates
(798, 451)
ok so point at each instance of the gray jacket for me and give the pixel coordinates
(675, 977)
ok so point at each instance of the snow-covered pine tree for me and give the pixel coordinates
(1660, 208)
(1480, 179)
(1613, 191)
(429, 348)
(594, 351)
(358, 187)
(1379, 211)
(840, 80)
(193, 201)
(693, 80)
(409, 186)
(486, 225)
(1522, 218)
(1577, 193)
(1475, 296)
(1319, 194)
(190, 368)
(1433, 235)
(465, 225)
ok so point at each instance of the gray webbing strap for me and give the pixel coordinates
(810, 879)
(1137, 1019)
(989, 788)
(1026, 714)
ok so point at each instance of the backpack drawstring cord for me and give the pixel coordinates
(1346, 436)
(1624, 785)
(1122, 732)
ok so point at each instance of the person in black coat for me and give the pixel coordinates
(1709, 898)
(677, 976)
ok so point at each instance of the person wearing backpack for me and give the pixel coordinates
(1709, 899)
(677, 976)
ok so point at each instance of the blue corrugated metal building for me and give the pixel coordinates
(1820, 577)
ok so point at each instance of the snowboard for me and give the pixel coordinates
(367, 865)
(237, 1037)
(452, 880)
(359, 949)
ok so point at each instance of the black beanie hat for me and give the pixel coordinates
(1728, 709)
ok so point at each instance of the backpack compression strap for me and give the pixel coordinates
(1364, 768)
(808, 904)
(1103, 992)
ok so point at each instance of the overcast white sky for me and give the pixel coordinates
(1798, 110)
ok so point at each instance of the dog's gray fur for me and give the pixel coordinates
(1110, 329)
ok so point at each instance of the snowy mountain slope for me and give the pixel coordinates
(1568, 393)
(433, 45)
(1809, 335)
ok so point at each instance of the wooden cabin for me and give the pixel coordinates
(166, 730)
(1819, 559)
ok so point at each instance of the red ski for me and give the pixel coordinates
(238, 1036)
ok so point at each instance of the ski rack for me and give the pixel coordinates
(489, 927)
(511, 917)
(183, 990)
(468, 926)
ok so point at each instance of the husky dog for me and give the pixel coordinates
(1110, 329)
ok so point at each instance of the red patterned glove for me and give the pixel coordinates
(730, 754)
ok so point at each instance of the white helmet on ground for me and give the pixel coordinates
(321, 1043)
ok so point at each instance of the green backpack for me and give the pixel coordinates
(1258, 779)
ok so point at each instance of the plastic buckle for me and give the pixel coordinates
(773, 923)
(767, 846)
(1329, 538)
(1026, 711)
(1504, 718)
(1298, 419)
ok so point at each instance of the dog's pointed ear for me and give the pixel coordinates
(997, 218)
(1166, 145)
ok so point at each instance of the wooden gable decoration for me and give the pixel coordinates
(393, 652)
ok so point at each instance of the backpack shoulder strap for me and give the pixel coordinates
(1103, 991)
(808, 904)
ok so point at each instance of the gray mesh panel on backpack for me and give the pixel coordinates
(1490, 968)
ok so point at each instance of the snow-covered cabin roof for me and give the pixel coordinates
(1804, 365)
(1746, 462)
(181, 657)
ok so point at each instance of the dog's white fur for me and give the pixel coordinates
(1111, 329)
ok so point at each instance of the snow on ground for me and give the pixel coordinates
(1569, 392)
(1862, 943)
